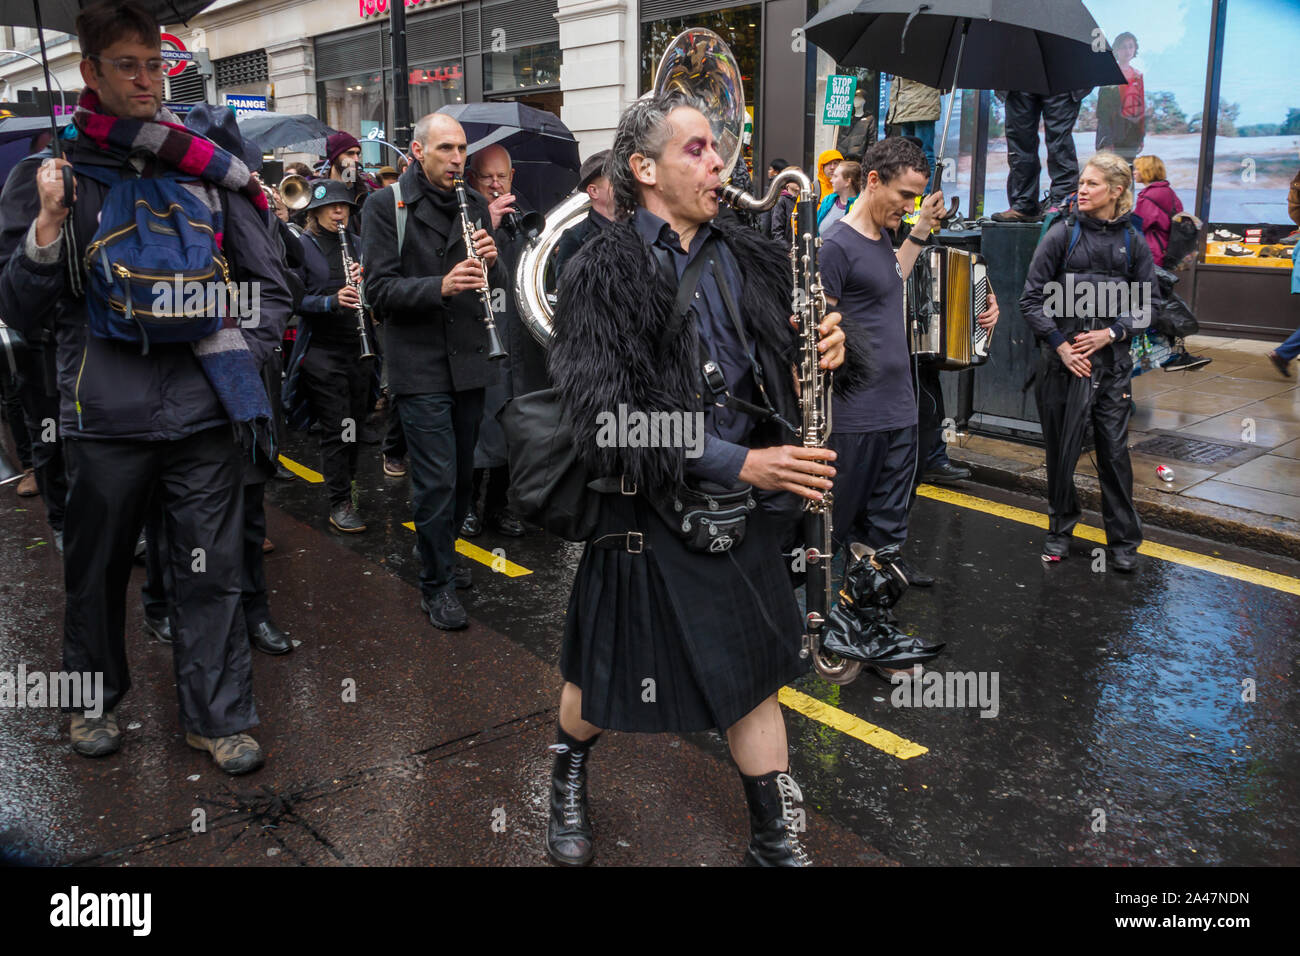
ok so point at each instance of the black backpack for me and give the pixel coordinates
(1184, 233)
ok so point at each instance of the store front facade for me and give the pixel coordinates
(1181, 57)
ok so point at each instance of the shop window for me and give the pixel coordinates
(1161, 46)
(435, 85)
(1258, 131)
(522, 70)
(356, 104)
(739, 27)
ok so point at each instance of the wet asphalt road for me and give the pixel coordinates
(1119, 701)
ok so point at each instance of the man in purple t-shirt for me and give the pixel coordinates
(874, 427)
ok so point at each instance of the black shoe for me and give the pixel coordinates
(344, 518)
(58, 541)
(159, 627)
(141, 548)
(1125, 562)
(946, 475)
(283, 474)
(445, 611)
(269, 639)
(774, 821)
(504, 522)
(569, 839)
(1280, 364)
(461, 576)
(1184, 362)
(472, 526)
(915, 576)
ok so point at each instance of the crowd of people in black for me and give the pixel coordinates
(169, 419)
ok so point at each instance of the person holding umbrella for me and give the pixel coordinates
(1086, 368)
(179, 417)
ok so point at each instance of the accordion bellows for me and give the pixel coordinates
(945, 291)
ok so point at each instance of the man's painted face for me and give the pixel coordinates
(687, 176)
(139, 98)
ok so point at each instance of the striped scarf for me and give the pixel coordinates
(224, 355)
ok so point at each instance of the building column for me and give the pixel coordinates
(598, 76)
(291, 68)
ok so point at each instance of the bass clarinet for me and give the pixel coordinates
(810, 307)
(348, 262)
(495, 350)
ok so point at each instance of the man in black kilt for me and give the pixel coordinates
(665, 633)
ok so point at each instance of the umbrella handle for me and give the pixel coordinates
(68, 181)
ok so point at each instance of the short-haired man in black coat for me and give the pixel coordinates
(436, 342)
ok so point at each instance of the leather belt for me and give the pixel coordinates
(633, 542)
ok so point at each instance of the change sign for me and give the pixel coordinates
(839, 100)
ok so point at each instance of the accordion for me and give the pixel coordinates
(946, 290)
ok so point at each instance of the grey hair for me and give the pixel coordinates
(643, 128)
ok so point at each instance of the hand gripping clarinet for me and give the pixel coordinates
(815, 406)
(495, 350)
(366, 350)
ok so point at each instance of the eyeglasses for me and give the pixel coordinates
(128, 67)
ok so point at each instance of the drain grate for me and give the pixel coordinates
(1193, 450)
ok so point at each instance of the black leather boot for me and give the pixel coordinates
(774, 824)
(861, 625)
(569, 838)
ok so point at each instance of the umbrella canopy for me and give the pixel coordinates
(1038, 46)
(542, 150)
(16, 133)
(285, 130)
(62, 15)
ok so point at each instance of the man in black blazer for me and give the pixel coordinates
(437, 349)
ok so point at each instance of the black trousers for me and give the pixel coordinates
(1066, 404)
(39, 398)
(441, 431)
(338, 387)
(930, 416)
(1059, 113)
(197, 480)
(11, 400)
(873, 486)
(158, 577)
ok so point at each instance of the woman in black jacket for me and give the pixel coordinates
(1089, 287)
(335, 377)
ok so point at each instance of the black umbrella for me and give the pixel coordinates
(62, 15)
(283, 130)
(543, 152)
(1038, 46)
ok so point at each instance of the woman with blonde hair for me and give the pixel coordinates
(1079, 299)
(1157, 204)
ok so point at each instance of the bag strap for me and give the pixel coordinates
(399, 207)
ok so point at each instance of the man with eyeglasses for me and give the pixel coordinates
(164, 419)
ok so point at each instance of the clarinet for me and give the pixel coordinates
(366, 350)
(495, 350)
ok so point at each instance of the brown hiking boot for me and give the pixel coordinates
(28, 487)
(95, 736)
(1015, 215)
(236, 754)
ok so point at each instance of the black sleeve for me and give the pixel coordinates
(255, 264)
(1044, 268)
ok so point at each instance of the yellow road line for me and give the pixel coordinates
(846, 723)
(1228, 569)
(496, 562)
(302, 471)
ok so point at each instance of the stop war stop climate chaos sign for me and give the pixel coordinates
(839, 100)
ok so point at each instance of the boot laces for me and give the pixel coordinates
(572, 808)
(790, 794)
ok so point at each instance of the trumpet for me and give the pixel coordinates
(495, 349)
(295, 191)
(348, 262)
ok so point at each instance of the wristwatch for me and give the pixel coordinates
(1112, 334)
(919, 242)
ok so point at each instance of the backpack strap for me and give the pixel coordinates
(399, 207)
